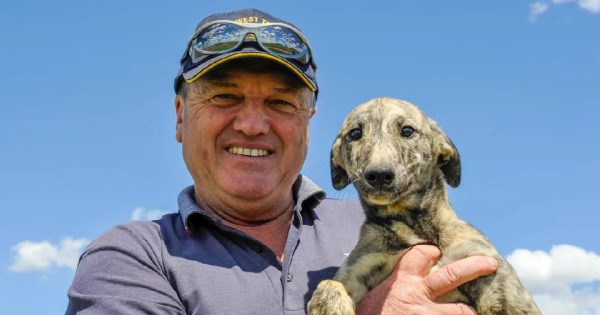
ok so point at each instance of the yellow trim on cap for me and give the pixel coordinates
(254, 54)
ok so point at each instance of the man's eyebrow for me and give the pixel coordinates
(221, 83)
(286, 89)
(228, 84)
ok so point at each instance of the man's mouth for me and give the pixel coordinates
(248, 152)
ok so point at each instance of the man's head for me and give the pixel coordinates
(243, 125)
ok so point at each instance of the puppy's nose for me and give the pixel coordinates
(380, 177)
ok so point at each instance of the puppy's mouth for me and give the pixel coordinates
(381, 196)
(380, 199)
(374, 196)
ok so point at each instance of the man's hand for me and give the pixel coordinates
(411, 289)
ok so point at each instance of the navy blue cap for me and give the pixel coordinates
(191, 69)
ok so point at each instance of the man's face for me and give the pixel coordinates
(244, 139)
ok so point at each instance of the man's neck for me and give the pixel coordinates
(271, 230)
(272, 233)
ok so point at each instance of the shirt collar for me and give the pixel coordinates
(306, 194)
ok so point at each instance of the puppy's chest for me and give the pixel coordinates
(408, 228)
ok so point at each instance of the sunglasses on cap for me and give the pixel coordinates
(279, 39)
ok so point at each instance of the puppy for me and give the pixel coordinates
(399, 161)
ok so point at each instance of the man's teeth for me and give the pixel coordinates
(248, 152)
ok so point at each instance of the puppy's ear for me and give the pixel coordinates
(339, 177)
(448, 158)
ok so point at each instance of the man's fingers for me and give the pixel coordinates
(459, 272)
(418, 260)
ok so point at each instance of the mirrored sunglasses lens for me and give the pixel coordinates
(219, 38)
(281, 40)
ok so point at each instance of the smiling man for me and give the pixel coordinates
(252, 235)
(244, 131)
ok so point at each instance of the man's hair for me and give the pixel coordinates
(253, 65)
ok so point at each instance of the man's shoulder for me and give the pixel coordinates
(139, 233)
(332, 204)
(340, 205)
(340, 210)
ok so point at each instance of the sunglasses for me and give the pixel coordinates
(278, 39)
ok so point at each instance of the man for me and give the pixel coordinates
(252, 235)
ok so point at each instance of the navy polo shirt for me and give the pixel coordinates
(191, 263)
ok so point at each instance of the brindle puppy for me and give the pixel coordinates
(399, 161)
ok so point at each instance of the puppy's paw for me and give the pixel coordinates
(330, 298)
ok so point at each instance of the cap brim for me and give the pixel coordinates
(191, 76)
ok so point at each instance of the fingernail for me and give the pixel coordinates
(492, 262)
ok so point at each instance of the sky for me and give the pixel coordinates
(87, 125)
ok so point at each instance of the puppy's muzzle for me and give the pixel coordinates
(380, 178)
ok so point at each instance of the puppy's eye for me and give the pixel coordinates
(407, 131)
(355, 134)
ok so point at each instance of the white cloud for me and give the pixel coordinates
(592, 6)
(562, 281)
(29, 256)
(42, 256)
(537, 8)
(562, 1)
(139, 214)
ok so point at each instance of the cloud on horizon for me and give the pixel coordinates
(564, 280)
(43, 256)
(141, 214)
(538, 8)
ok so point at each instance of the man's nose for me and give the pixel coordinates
(252, 118)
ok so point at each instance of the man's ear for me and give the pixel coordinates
(179, 105)
(339, 177)
(448, 158)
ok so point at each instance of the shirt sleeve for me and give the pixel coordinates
(122, 273)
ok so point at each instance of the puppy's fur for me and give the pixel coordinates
(399, 161)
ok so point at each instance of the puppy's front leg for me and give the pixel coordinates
(330, 298)
(367, 265)
(360, 273)
(366, 270)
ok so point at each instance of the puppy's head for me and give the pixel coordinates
(389, 149)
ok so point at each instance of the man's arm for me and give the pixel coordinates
(412, 289)
(121, 273)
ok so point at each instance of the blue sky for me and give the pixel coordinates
(87, 123)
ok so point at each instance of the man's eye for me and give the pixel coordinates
(282, 106)
(225, 99)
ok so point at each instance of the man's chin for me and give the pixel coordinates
(249, 193)
(249, 187)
